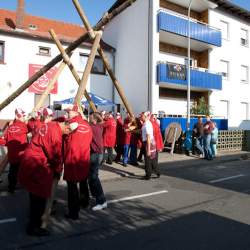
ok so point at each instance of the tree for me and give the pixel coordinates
(200, 107)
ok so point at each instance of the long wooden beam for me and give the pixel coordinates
(82, 87)
(71, 67)
(105, 20)
(104, 58)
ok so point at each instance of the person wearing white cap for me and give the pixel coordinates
(15, 138)
(77, 162)
(150, 146)
(47, 115)
(34, 122)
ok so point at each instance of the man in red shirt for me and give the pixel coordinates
(15, 138)
(126, 139)
(109, 137)
(41, 163)
(35, 123)
(96, 159)
(77, 161)
(119, 135)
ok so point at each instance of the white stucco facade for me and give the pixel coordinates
(135, 36)
(128, 34)
(20, 52)
(234, 96)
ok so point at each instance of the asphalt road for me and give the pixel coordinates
(204, 207)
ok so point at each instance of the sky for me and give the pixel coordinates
(62, 9)
(65, 11)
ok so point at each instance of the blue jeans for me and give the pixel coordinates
(214, 149)
(199, 145)
(95, 185)
(207, 146)
(125, 153)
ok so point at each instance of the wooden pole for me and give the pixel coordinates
(49, 203)
(49, 87)
(104, 58)
(106, 19)
(87, 71)
(71, 66)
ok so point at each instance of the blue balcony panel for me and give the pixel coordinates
(198, 79)
(179, 25)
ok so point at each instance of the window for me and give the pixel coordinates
(224, 26)
(32, 27)
(46, 102)
(244, 37)
(244, 74)
(98, 66)
(224, 109)
(224, 69)
(1, 52)
(244, 111)
(44, 51)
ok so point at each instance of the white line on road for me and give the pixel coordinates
(227, 178)
(138, 196)
(7, 220)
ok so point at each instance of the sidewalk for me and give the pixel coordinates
(166, 160)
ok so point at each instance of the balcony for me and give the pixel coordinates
(175, 76)
(173, 29)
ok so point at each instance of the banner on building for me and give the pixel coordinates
(40, 85)
(177, 71)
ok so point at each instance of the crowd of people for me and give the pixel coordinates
(41, 149)
(205, 137)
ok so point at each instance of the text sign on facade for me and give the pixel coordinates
(40, 85)
(177, 71)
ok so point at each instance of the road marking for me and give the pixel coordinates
(227, 178)
(138, 196)
(7, 220)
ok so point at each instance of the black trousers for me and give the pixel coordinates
(151, 165)
(77, 196)
(12, 176)
(109, 158)
(142, 152)
(37, 208)
(119, 152)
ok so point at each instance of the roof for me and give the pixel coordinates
(225, 5)
(66, 32)
(233, 9)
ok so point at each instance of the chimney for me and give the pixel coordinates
(20, 13)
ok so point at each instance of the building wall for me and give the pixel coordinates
(128, 33)
(202, 17)
(201, 57)
(234, 91)
(20, 52)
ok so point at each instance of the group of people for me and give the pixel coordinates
(205, 137)
(41, 149)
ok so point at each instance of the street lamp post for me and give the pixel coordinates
(188, 73)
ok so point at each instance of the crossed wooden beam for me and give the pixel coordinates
(95, 35)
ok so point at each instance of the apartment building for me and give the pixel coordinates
(25, 46)
(151, 41)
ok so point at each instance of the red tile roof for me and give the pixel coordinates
(66, 32)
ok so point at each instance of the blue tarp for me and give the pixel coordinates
(222, 124)
(98, 101)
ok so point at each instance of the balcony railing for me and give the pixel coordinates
(178, 24)
(177, 74)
